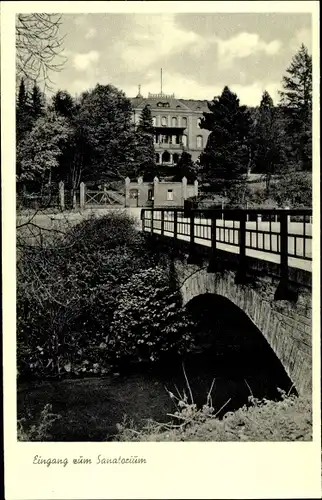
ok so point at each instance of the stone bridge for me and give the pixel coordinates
(263, 267)
(285, 325)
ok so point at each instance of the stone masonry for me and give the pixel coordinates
(286, 326)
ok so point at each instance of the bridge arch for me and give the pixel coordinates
(235, 347)
(291, 345)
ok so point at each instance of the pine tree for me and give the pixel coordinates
(37, 104)
(64, 104)
(185, 168)
(145, 152)
(296, 100)
(226, 155)
(267, 144)
(23, 122)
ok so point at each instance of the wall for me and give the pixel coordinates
(191, 109)
(180, 191)
(143, 192)
(286, 326)
(160, 194)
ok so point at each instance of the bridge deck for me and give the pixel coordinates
(263, 239)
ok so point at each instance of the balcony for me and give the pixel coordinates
(165, 129)
(164, 145)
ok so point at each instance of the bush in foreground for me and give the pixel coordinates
(92, 298)
(261, 420)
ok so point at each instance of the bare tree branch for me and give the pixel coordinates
(39, 47)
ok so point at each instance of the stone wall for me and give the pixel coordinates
(286, 326)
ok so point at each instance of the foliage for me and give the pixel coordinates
(226, 155)
(260, 420)
(185, 168)
(296, 100)
(64, 104)
(148, 319)
(267, 144)
(40, 431)
(105, 117)
(145, 153)
(71, 297)
(293, 190)
(38, 154)
(37, 103)
(38, 46)
(23, 119)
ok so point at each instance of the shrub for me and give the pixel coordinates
(148, 320)
(71, 301)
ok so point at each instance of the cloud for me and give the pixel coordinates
(153, 38)
(91, 33)
(304, 35)
(80, 20)
(192, 89)
(84, 61)
(244, 45)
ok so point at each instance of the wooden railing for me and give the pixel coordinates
(280, 236)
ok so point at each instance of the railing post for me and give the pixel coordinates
(82, 195)
(152, 221)
(61, 195)
(283, 291)
(162, 222)
(212, 266)
(241, 273)
(191, 258)
(175, 224)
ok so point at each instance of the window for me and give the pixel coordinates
(175, 158)
(184, 140)
(174, 122)
(166, 157)
(184, 122)
(199, 141)
(163, 121)
(154, 121)
(134, 194)
(178, 107)
(150, 194)
(170, 195)
(157, 158)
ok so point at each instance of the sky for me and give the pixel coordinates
(199, 53)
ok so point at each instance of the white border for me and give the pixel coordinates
(182, 470)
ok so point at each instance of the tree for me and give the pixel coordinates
(38, 154)
(38, 46)
(185, 168)
(267, 140)
(296, 100)
(64, 104)
(23, 122)
(37, 103)
(145, 152)
(226, 154)
(105, 116)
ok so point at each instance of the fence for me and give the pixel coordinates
(61, 198)
(285, 242)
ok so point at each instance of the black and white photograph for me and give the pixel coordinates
(164, 182)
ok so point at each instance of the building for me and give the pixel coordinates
(176, 123)
(158, 193)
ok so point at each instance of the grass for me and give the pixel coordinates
(286, 420)
(76, 418)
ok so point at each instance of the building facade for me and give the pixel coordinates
(158, 194)
(176, 125)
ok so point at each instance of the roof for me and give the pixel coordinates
(174, 104)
